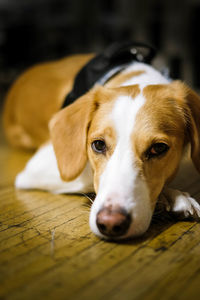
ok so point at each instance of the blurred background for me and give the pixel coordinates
(33, 31)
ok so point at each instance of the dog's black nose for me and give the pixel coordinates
(113, 222)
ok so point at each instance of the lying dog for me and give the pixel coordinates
(124, 140)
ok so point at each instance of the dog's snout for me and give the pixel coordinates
(113, 222)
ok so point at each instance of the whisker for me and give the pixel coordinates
(90, 199)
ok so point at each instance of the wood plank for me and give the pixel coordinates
(137, 269)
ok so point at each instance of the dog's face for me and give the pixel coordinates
(134, 139)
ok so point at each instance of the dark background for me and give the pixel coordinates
(32, 31)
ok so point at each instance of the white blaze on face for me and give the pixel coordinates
(120, 183)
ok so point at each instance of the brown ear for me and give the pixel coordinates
(193, 102)
(68, 130)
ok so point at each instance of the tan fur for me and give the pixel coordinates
(171, 115)
(160, 120)
(35, 96)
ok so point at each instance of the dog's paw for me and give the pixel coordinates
(181, 204)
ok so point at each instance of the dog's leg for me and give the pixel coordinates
(180, 203)
(41, 172)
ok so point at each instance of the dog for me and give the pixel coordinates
(123, 140)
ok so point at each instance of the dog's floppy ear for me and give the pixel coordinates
(190, 104)
(193, 103)
(68, 130)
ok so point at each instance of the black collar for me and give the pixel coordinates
(104, 66)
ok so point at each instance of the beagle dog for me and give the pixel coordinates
(124, 141)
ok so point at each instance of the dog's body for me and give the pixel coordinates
(125, 141)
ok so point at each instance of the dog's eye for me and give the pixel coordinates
(157, 150)
(99, 146)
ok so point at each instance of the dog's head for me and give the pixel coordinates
(134, 139)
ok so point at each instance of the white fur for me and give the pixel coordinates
(178, 201)
(120, 183)
(181, 203)
(41, 172)
(150, 76)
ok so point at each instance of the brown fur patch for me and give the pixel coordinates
(104, 94)
(162, 119)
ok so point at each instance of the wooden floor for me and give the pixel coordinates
(48, 252)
